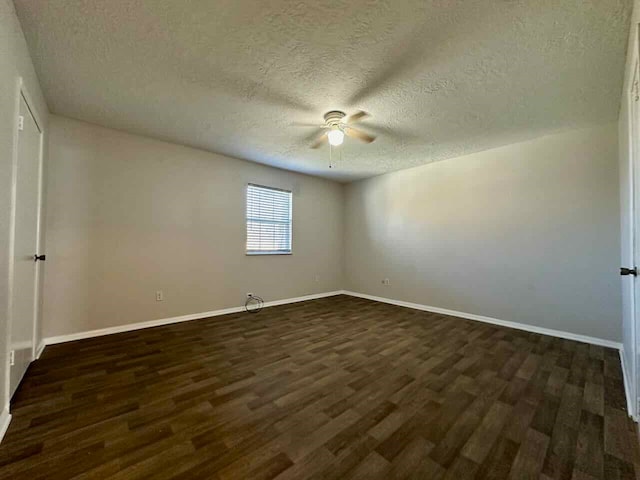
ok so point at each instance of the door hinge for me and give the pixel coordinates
(20, 123)
(12, 358)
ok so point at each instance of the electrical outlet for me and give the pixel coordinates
(159, 296)
(316, 278)
(386, 281)
(12, 358)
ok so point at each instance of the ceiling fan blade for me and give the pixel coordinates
(356, 117)
(359, 134)
(319, 140)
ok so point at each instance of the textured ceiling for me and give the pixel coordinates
(441, 78)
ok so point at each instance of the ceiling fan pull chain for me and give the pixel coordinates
(330, 156)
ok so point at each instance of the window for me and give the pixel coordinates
(268, 221)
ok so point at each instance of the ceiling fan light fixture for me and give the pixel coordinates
(336, 137)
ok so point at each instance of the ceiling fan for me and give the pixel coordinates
(337, 125)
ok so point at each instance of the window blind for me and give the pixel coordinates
(268, 220)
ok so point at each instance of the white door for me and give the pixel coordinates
(630, 203)
(24, 287)
(634, 130)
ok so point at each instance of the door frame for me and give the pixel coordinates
(629, 360)
(23, 93)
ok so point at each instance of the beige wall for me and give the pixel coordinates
(130, 215)
(526, 233)
(15, 62)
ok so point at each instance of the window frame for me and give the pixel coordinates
(255, 253)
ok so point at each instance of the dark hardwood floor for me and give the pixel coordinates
(337, 388)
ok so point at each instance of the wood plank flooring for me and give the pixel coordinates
(337, 388)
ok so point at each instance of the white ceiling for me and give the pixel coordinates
(441, 78)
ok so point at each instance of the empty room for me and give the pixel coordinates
(329, 239)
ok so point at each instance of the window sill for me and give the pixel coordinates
(260, 254)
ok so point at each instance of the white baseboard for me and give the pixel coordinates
(40, 349)
(5, 420)
(183, 318)
(626, 376)
(494, 321)
(401, 303)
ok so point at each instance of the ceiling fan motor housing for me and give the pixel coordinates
(334, 117)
